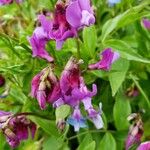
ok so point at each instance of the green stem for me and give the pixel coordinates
(78, 48)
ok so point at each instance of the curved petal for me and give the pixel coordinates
(73, 14)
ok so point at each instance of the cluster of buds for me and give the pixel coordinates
(135, 132)
(16, 128)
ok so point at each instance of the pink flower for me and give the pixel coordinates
(108, 58)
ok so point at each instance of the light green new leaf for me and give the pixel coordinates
(107, 143)
(90, 40)
(121, 111)
(62, 112)
(117, 77)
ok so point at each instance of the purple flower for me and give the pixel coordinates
(79, 13)
(38, 42)
(108, 58)
(144, 146)
(45, 87)
(146, 23)
(135, 132)
(58, 28)
(93, 114)
(74, 91)
(16, 128)
(77, 120)
(2, 81)
(5, 2)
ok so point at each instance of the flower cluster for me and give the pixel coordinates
(16, 128)
(70, 89)
(64, 23)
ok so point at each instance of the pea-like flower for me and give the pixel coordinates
(79, 13)
(38, 42)
(57, 27)
(45, 87)
(74, 92)
(16, 128)
(108, 58)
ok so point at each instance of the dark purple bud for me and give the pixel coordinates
(2, 81)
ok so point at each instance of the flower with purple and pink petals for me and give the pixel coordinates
(57, 27)
(144, 146)
(135, 132)
(108, 58)
(79, 13)
(45, 87)
(16, 128)
(74, 91)
(146, 23)
(77, 120)
(38, 42)
(2, 81)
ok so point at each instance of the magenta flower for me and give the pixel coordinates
(144, 146)
(45, 87)
(146, 23)
(58, 28)
(16, 128)
(38, 42)
(79, 13)
(74, 91)
(108, 58)
(2, 81)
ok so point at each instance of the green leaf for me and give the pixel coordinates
(108, 142)
(48, 126)
(121, 111)
(90, 146)
(125, 50)
(62, 112)
(52, 143)
(123, 19)
(117, 77)
(83, 144)
(90, 40)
